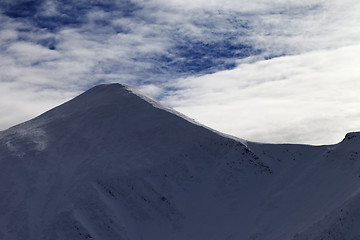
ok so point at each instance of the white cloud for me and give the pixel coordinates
(309, 98)
(19, 102)
(26, 53)
(151, 90)
(316, 33)
(49, 8)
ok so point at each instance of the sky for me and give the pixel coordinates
(267, 71)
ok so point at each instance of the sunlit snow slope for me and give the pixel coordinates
(112, 164)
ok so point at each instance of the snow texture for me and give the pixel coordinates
(114, 164)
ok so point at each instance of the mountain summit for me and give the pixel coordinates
(114, 164)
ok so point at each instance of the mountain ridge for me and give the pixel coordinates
(113, 164)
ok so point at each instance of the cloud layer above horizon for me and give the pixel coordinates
(271, 71)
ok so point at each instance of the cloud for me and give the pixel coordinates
(151, 90)
(308, 98)
(19, 102)
(67, 47)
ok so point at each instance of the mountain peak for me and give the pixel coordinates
(112, 161)
(101, 95)
(105, 90)
(105, 100)
(105, 116)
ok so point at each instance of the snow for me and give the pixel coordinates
(114, 164)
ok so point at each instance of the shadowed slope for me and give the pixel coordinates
(113, 164)
(109, 162)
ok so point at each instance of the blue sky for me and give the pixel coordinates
(269, 71)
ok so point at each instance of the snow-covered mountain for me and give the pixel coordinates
(113, 164)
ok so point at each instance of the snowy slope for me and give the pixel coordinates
(341, 223)
(113, 164)
(310, 183)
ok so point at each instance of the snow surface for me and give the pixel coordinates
(113, 164)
